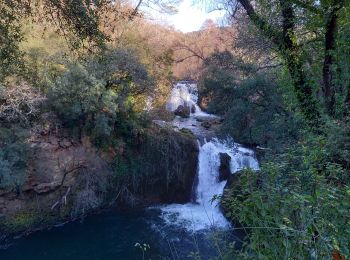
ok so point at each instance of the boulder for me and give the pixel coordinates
(193, 109)
(206, 124)
(211, 123)
(224, 169)
(182, 111)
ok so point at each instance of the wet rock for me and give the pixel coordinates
(193, 109)
(224, 169)
(182, 111)
(211, 123)
(206, 124)
(170, 172)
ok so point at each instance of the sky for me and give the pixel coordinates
(190, 17)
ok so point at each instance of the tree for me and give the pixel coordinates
(10, 36)
(331, 27)
(290, 25)
(102, 94)
(83, 23)
(285, 41)
(191, 49)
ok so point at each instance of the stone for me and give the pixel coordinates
(46, 187)
(224, 169)
(182, 111)
(206, 124)
(193, 109)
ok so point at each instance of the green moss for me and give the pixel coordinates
(187, 132)
(160, 165)
(21, 221)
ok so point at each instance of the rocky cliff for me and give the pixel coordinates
(161, 168)
(66, 178)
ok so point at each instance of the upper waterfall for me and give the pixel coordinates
(185, 94)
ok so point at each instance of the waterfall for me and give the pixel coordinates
(184, 94)
(204, 213)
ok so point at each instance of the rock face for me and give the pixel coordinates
(224, 169)
(182, 111)
(163, 166)
(60, 172)
(66, 178)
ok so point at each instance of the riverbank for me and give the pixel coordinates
(68, 178)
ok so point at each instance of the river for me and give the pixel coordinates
(173, 231)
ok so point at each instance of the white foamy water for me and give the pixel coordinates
(185, 94)
(204, 213)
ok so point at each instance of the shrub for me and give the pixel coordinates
(297, 207)
(253, 108)
(13, 158)
(101, 95)
(19, 103)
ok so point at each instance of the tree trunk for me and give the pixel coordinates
(347, 103)
(289, 50)
(330, 44)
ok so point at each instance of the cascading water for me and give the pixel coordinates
(184, 94)
(204, 213)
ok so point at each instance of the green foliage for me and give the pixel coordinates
(297, 206)
(78, 19)
(81, 99)
(102, 95)
(44, 53)
(81, 17)
(22, 221)
(10, 36)
(13, 158)
(256, 114)
(253, 107)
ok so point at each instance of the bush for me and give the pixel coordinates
(253, 108)
(13, 158)
(101, 95)
(19, 103)
(82, 100)
(297, 207)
